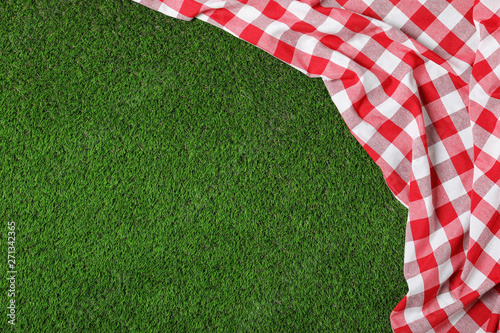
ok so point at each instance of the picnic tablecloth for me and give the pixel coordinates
(418, 84)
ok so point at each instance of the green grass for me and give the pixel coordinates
(165, 176)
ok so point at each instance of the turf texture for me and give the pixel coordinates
(164, 176)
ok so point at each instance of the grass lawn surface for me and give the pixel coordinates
(164, 176)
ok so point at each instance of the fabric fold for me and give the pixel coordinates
(417, 83)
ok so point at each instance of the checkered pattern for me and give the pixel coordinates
(417, 83)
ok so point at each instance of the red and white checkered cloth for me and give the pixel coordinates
(418, 84)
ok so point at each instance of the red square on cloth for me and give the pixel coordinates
(251, 34)
(423, 18)
(222, 16)
(317, 65)
(284, 51)
(274, 10)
